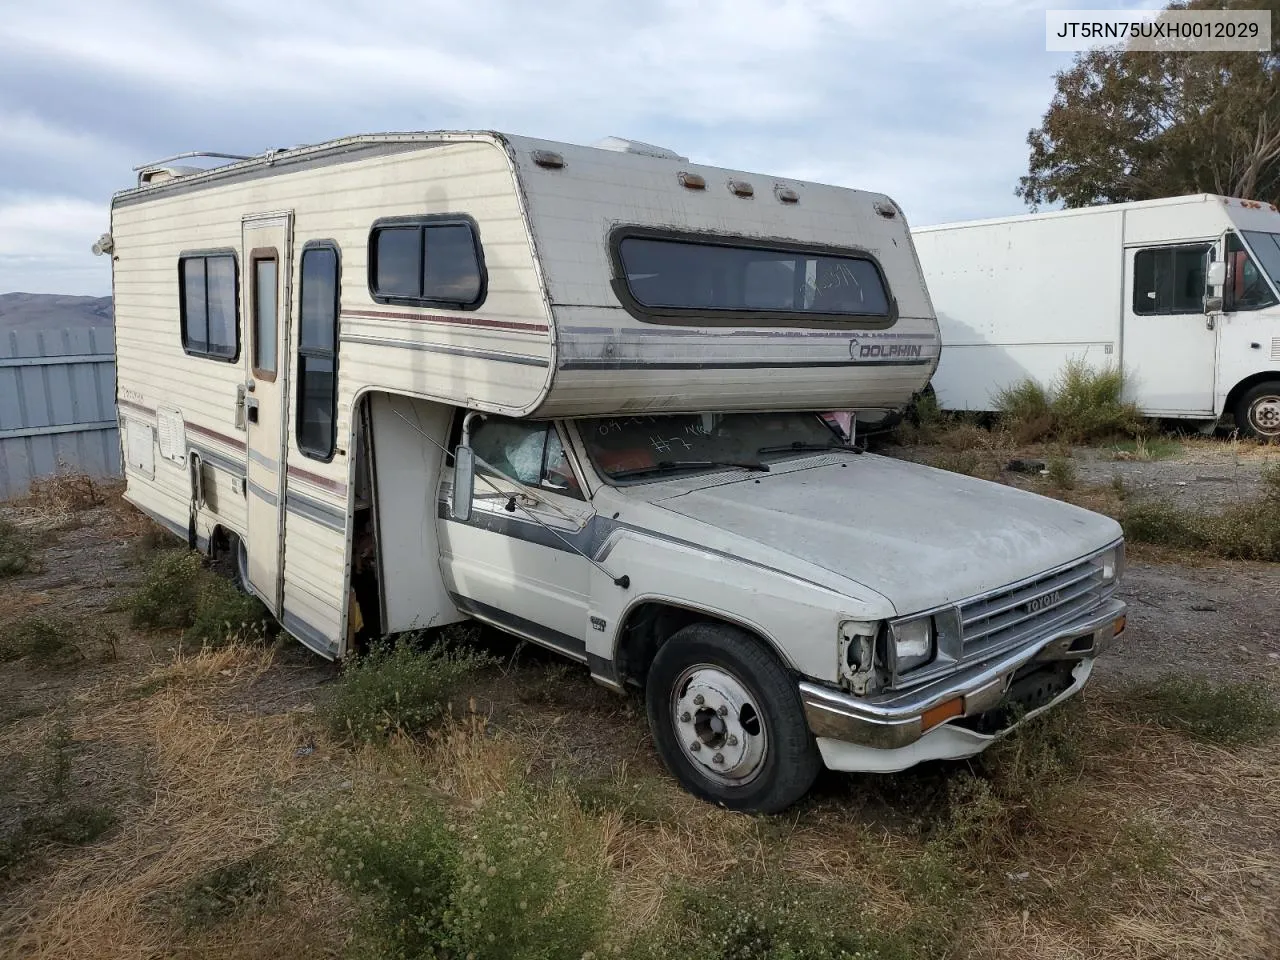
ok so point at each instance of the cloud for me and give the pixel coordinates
(930, 103)
(38, 237)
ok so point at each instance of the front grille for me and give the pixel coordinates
(1032, 608)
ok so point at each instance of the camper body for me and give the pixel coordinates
(404, 380)
(1179, 294)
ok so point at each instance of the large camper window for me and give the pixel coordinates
(432, 261)
(1169, 280)
(665, 277)
(317, 352)
(207, 306)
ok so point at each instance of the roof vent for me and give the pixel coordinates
(621, 145)
(161, 174)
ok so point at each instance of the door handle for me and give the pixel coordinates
(251, 409)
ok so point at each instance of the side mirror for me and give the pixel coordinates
(464, 483)
(1216, 275)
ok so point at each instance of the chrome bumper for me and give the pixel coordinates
(895, 720)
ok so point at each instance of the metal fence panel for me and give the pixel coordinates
(57, 406)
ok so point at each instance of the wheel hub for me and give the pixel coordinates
(719, 724)
(1266, 415)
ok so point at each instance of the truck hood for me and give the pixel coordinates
(918, 536)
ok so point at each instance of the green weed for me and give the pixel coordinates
(1083, 405)
(55, 641)
(179, 592)
(17, 555)
(1226, 713)
(400, 687)
(229, 890)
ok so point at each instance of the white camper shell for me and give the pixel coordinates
(1182, 295)
(404, 380)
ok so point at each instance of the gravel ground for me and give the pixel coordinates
(1203, 475)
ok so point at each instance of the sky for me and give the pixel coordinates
(929, 102)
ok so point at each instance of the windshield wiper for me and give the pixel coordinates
(664, 465)
(798, 447)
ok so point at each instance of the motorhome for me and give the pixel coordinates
(1178, 294)
(574, 392)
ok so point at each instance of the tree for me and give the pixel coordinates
(1139, 125)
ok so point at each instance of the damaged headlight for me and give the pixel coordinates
(911, 643)
(1111, 563)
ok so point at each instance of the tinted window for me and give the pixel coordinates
(398, 259)
(432, 262)
(699, 276)
(317, 357)
(209, 317)
(1169, 280)
(1248, 287)
(264, 317)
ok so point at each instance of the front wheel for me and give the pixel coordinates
(1258, 411)
(727, 720)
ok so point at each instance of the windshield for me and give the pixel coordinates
(648, 448)
(1266, 247)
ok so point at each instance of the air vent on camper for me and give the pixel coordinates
(692, 180)
(785, 194)
(159, 171)
(741, 188)
(548, 158)
(622, 145)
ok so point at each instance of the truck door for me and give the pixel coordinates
(516, 562)
(267, 255)
(1169, 346)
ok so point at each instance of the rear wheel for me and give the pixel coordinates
(1258, 411)
(727, 720)
(238, 554)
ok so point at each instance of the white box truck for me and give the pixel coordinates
(1179, 294)
(404, 380)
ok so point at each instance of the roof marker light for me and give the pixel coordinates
(692, 181)
(786, 194)
(741, 188)
(886, 209)
(548, 158)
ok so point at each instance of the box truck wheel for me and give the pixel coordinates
(1258, 411)
(727, 720)
(240, 560)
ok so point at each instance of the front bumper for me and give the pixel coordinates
(893, 721)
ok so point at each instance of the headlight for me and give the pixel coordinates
(1111, 563)
(912, 643)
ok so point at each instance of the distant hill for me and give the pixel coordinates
(33, 312)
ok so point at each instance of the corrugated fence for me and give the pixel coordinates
(57, 406)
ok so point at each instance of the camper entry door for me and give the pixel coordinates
(267, 255)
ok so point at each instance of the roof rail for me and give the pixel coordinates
(192, 153)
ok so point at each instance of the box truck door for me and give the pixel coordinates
(1169, 349)
(266, 255)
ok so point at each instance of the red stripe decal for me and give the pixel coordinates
(215, 435)
(439, 318)
(334, 485)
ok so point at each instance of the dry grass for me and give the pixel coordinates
(61, 496)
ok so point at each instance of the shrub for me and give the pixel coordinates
(398, 687)
(167, 596)
(1083, 405)
(1226, 713)
(1062, 473)
(508, 884)
(54, 640)
(1249, 530)
(228, 890)
(16, 554)
(65, 493)
(179, 592)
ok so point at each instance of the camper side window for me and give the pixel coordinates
(207, 296)
(1169, 280)
(432, 260)
(317, 353)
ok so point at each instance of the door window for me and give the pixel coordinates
(1247, 288)
(1170, 280)
(529, 452)
(317, 353)
(265, 275)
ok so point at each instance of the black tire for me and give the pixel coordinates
(239, 558)
(1257, 412)
(789, 761)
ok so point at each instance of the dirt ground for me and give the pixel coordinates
(196, 753)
